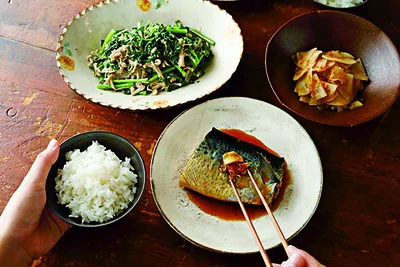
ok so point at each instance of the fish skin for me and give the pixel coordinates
(203, 176)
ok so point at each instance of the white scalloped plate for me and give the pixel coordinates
(84, 32)
(273, 127)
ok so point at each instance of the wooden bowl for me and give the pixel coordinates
(334, 30)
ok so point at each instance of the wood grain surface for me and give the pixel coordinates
(357, 222)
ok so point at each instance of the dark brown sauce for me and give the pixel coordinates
(239, 134)
(231, 211)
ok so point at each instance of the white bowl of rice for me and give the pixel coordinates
(98, 178)
(341, 3)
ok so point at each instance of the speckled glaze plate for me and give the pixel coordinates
(273, 127)
(83, 33)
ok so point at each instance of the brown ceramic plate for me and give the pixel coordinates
(334, 30)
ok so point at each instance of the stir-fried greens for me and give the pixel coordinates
(151, 58)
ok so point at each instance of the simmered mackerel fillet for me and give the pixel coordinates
(203, 176)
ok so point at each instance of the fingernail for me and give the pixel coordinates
(52, 144)
(294, 260)
(291, 248)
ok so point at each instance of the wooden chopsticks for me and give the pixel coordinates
(271, 215)
(251, 226)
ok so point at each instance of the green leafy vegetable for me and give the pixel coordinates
(108, 39)
(151, 58)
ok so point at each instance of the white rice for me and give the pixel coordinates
(95, 184)
(341, 3)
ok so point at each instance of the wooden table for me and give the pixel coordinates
(357, 222)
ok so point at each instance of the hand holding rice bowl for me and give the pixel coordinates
(95, 184)
(123, 149)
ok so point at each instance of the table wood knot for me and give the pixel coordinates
(11, 112)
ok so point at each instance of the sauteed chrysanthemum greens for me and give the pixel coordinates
(151, 58)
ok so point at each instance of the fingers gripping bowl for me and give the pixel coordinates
(113, 193)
